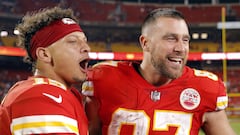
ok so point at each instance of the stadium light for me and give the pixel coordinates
(229, 25)
(204, 35)
(195, 36)
(4, 33)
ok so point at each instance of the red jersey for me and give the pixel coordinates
(129, 105)
(42, 106)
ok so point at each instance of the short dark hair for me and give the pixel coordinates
(36, 20)
(161, 12)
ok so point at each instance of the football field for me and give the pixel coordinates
(235, 123)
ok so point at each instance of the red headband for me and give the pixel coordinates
(53, 32)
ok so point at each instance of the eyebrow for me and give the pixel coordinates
(173, 34)
(78, 36)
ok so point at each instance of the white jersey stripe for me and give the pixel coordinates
(42, 130)
(44, 124)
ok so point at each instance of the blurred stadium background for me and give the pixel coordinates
(113, 27)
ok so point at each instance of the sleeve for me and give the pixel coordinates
(44, 112)
(87, 88)
(213, 88)
(94, 74)
(222, 98)
(4, 121)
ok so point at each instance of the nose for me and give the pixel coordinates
(85, 48)
(180, 46)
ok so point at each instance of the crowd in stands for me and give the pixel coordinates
(10, 77)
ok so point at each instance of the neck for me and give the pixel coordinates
(51, 76)
(152, 76)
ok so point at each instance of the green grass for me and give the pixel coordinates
(236, 127)
(235, 124)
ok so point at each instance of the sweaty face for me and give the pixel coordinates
(169, 46)
(70, 56)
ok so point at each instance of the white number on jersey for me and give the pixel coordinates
(162, 120)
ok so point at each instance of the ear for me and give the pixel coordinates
(144, 43)
(43, 54)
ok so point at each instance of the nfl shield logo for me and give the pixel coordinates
(155, 95)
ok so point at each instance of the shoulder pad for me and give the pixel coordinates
(203, 73)
(105, 63)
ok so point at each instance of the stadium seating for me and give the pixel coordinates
(233, 46)
(99, 11)
(24, 6)
(9, 40)
(236, 9)
(98, 46)
(204, 47)
(125, 47)
(134, 47)
(206, 13)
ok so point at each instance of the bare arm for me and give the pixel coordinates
(216, 123)
(91, 108)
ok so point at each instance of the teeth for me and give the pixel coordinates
(176, 59)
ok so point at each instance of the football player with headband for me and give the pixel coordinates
(160, 95)
(47, 102)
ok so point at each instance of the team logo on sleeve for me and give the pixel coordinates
(190, 98)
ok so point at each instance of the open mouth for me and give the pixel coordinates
(176, 60)
(84, 64)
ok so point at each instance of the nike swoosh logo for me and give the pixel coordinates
(56, 99)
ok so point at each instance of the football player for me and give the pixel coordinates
(160, 95)
(46, 103)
